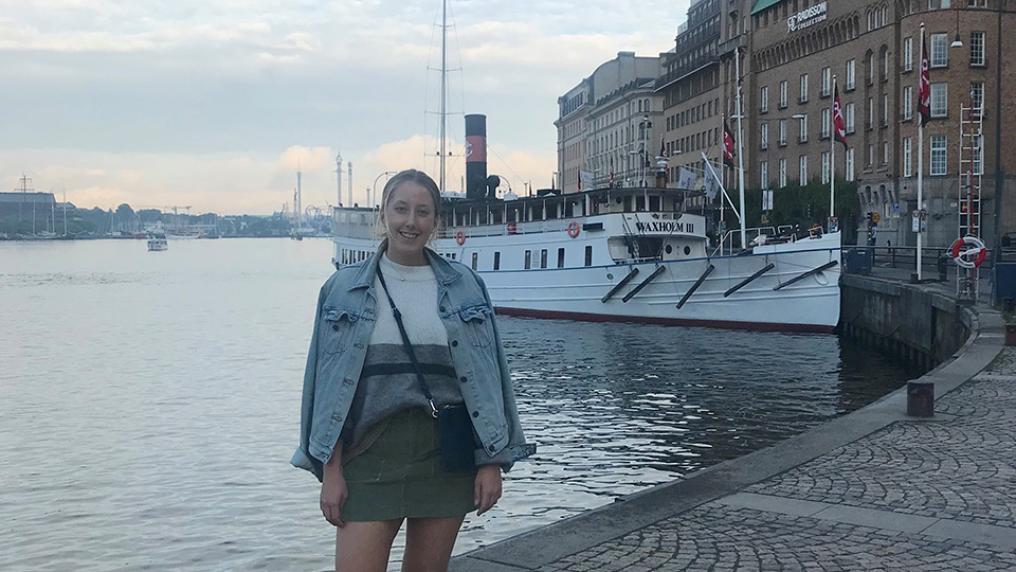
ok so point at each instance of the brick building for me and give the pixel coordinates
(873, 50)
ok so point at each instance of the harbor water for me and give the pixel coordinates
(149, 404)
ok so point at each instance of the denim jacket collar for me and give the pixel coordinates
(443, 271)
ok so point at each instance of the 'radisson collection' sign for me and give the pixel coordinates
(807, 17)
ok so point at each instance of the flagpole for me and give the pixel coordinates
(832, 158)
(920, 163)
(723, 165)
(740, 149)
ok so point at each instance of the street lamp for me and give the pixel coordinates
(373, 193)
(957, 41)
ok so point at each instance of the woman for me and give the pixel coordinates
(368, 430)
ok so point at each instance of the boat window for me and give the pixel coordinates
(497, 261)
(543, 258)
(560, 258)
(476, 258)
(640, 203)
(529, 260)
(654, 204)
(551, 211)
(589, 256)
(649, 247)
(626, 204)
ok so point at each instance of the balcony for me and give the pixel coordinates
(727, 48)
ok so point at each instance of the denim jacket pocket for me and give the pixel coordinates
(476, 321)
(336, 327)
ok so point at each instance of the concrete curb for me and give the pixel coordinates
(539, 547)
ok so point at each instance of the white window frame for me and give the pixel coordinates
(783, 94)
(826, 123)
(849, 116)
(825, 167)
(764, 99)
(848, 163)
(802, 169)
(827, 81)
(802, 96)
(939, 163)
(802, 129)
(783, 173)
(908, 157)
(885, 152)
(908, 102)
(938, 52)
(851, 74)
(940, 99)
(764, 135)
(978, 143)
(763, 172)
(782, 132)
(977, 95)
(977, 50)
(885, 110)
(908, 54)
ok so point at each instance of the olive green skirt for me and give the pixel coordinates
(400, 475)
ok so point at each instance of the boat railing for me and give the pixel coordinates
(726, 244)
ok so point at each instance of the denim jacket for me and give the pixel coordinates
(346, 313)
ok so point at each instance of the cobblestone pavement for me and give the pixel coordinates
(925, 489)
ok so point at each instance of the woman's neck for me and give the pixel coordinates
(418, 258)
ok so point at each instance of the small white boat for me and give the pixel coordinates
(157, 243)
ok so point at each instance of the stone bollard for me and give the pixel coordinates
(920, 399)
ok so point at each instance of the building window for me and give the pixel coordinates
(939, 50)
(870, 123)
(908, 157)
(497, 261)
(849, 165)
(560, 258)
(802, 167)
(977, 97)
(885, 64)
(763, 173)
(870, 156)
(783, 173)
(826, 123)
(475, 260)
(783, 94)
(885, 152)
(764, 99)
(871, 68)
(827, 82)
(851, 74)
(938, 154)
(908, 54)
(782, 132)
(543, 258)
(825, 167)
(529, 260)
(803, 95)
(885, 110)
(978, 147)
(908, 103)
(764, 136)
(939, 99)
(848, 116)
(977, 49)
(802, 136)
(589, 256)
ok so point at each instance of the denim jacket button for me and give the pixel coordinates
(463, 379)
(455, 343)
(442, 308)
(476, 414)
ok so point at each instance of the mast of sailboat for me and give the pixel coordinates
(740, 150)
(444, 82)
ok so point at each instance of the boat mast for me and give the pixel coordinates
(740, 150)
(444, 82)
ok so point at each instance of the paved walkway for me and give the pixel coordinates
(874, 490)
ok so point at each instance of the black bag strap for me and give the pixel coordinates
(407, 345)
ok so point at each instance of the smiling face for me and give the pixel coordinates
(409, 217)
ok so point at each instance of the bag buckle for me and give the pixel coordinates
(433, 409)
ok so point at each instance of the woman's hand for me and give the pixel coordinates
(334, 494)
(487, 488)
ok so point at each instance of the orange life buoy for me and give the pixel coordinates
(972, 257)
(460, 237)
(573, 229)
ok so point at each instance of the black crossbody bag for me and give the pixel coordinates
(454, 428)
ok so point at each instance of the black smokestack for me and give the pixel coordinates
(476, 156)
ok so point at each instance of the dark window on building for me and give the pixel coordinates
(497, 261)
(560, 258)
(476, 258)
(529, 259)
(543, 258)
(589, 256)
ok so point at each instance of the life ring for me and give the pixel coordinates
(511, 228)
(573, 229)
(460, 237)
(972, 257)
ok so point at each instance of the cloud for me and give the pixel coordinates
(299, 157)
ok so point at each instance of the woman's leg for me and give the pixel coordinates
(365, 546)
(429, 543)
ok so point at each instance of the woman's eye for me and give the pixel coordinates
(401, 209)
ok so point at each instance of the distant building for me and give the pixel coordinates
(608, 125)
(18, 203)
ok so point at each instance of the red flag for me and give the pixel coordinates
(924, 87)
(839, 125)
(728, 145)
(663, 148)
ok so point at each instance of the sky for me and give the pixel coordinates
(215, 104)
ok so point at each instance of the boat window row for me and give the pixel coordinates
(352, 256)
(528, 262)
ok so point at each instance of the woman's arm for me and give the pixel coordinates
(333, 488)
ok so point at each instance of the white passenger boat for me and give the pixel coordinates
(624, 255)
(157, 243)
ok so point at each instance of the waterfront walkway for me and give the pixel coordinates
(873, 490)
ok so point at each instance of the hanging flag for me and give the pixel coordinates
(611, 179)
(712, 185)
(728, 145)
(839, 125)
(686, 179)
(663, 148)
(580, 179)
(924, 87)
